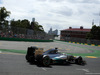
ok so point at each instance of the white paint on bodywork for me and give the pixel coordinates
(62, 57)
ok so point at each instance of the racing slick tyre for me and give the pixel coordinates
(83, 62)
(43, 60)
(31, 59)
(39, 59)
(27, 57)
(46, 61)
(79, 61)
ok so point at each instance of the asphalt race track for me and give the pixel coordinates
(15, 63)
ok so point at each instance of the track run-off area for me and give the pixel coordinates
(86, 51)
(13, 62)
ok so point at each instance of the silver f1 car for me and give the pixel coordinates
(51, 56)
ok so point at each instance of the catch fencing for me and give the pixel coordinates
(16, 32)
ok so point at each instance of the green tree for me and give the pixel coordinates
(3, 15)
(94, 33)
(40, 27)
(89, 36)
(35, 26)
(14, 23)
(25, 23)
(20, 23)
(19, 26)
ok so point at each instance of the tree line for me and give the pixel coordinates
(4, 14)
(94, 33)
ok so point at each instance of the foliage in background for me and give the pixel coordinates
(3, 15)
(94, 33)
(18, 23)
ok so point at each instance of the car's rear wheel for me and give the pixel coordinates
(30, 54)
(31, 59)
(27, 57)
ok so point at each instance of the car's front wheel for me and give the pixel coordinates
(43, 60)
(80, 61)
(46, 61)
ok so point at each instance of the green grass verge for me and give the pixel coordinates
(13, 51)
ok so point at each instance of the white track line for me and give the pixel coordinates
(86, 70)
(93, 73)
(44, 69)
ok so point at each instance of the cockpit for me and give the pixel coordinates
(52, 51)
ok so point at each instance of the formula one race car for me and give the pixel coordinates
(51, 56)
